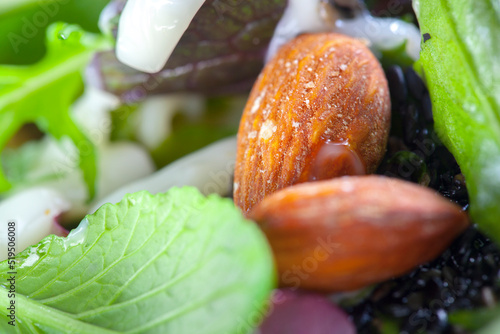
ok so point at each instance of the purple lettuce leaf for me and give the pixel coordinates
(222, 51)
(294, 312)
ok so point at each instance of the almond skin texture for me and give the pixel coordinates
(346, 233)
(320, 89)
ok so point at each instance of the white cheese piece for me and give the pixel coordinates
(149, 30)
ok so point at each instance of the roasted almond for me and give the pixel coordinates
(349, 232)
(319, 109)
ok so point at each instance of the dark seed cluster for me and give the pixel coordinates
(464, 277)
(467, 274)
(415, 152)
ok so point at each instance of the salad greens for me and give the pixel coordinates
(23, 24)
(219, 119)
(460, 60)
(492, 328)
(174, 262)
(42, 93)
(168, 263)
(474, 319)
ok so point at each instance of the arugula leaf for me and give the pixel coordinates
(460, 60)
(42, 93)
(176, 262)
(23, 24)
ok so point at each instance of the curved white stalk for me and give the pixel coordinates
(209, 169)
(383, 33)
(155, 114)
(300, 16)
(309, 16)
(92, 113)
(149, 30)
(119, 163)
(34, 212)
(110, 11)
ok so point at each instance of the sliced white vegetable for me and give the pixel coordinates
(383, 33)
(92, 113)
(34, 212)
(149, 30)
(300, 16)
(107, 14)
(121, 163)
(118, 163)
(154, 117)
(309, 16)
(209, 169)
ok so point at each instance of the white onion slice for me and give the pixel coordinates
(119, 163)
(209, 169)
(154, 116)
(110, 11)
(382, 33)
(92, 113)
(34, 212)
(300, 16)
(149, 30)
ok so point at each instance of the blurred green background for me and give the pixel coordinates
(23, 24)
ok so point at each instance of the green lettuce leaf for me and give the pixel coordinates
(42, 93)
(176, 262)
(460, 60)
(492, 328)
(10, 6)
(472, 320)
